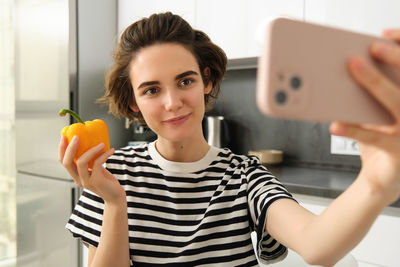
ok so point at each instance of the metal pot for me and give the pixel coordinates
(216, 131)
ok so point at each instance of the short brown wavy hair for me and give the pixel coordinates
(156, 29)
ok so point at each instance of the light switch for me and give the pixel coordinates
(344, 146)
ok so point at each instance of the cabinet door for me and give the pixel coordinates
(234, 24)
(381, 244)
(130, 11)
(43, 208)
(366, 16)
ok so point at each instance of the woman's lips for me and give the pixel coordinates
(177, 120)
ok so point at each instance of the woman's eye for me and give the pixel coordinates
(186, 82)
(150, 91)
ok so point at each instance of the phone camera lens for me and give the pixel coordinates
(281, 97)
(295, 82)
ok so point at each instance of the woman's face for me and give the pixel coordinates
(169, 91)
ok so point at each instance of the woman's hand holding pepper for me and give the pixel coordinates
(379, 145)
(98, 180)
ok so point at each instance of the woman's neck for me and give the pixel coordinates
(182, 151)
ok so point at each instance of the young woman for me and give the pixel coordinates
(178, 201)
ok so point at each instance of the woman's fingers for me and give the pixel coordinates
(393, 34)
(103, 158)
(366, 136)
(388, 53)
(83, 162)
(62, 147)
(79, 170)
(377, 84)
(68, 159)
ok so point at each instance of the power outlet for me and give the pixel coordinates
(344, 146)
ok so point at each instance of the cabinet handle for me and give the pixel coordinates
(73, 200)
(71, 105)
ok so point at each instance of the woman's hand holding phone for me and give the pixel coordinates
(379, 145)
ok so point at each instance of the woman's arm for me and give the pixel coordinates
(113, 248)
(326, 238)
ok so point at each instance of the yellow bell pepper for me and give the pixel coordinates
(90, 133)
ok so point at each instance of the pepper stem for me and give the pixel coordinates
(64, 112)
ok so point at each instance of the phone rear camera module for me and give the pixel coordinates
(295, 82)
(281, 97)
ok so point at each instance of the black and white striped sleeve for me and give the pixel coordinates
(263, 189)
(86, 219)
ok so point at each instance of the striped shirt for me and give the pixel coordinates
(188, 214)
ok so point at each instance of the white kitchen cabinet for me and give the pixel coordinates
(367, 264)
(237, 25)
(380, 247)
(233, 24)
(382, 243)
(366, 16)
(130, 11)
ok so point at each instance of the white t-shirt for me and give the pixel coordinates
(187, 214)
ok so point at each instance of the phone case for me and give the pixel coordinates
(303, 74)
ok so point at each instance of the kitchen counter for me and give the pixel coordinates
(316, 182)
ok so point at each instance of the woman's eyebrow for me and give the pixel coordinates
(179, 76)
(144, 84)
(186, 73)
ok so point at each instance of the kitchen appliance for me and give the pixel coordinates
(62, 50)
(216, 131)
(140, 133)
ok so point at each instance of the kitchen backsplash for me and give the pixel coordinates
(303, 143)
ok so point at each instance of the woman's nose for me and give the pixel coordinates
(173, 100)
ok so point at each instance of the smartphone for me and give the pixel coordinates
(302, 74)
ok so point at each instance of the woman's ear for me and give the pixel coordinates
(206, 75)
(134, 107)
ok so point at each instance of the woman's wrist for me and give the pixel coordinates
(377, 192)
(116, 203)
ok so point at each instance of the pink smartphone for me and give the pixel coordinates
(303, 74)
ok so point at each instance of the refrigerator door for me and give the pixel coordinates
(45, 74)
(43, 208)
(43, 59)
